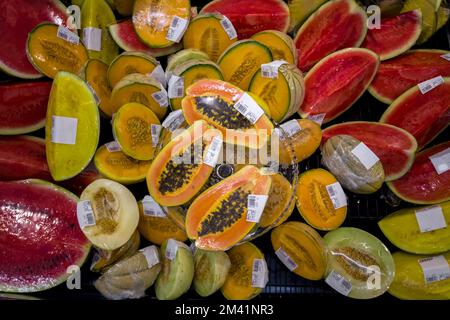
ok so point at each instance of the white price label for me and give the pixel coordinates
(177, 28)
(67, 35)
(173, 120)
(291, 128)
(172, 248)
(286, 259)
(64, 130)
(255, 207)
(365, 155)
(430, 219)
(113, 146)
(152, 208)
(249, 108)
(229, 28)
(259, 273)
(151, 255)
(159, 75)
(446, 56)
(339, 283)
(155, 131)
(270, 70)
(176, 87)
(429, 85)
(161, 98)
(92, 39)
(213, 152)
(435, 269)
(317, 118)
(85, 214)
(337, 195)
(441, 161)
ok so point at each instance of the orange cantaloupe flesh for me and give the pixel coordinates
(128, 63)
(95, 74)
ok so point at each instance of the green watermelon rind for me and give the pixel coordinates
(85, 248)
(411, 151)
(382, 98)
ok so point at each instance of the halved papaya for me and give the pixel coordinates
(240, 61)
(315, 203)
(207, 33)
(217, 219)
(178, 173)
(50, 53)
(130, 62)
(155, 21)
(141, 89)
(133, 128)
(117, 166)
(214, 101)
(280, 44)
(95, 74)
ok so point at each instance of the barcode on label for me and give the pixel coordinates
(249, 108)
(270, 70)
(97, 99)
(229, 28)
(213, 152)
(64, 130)
(113, 146)
(176, 87)
(430, 219)
(161, 98)
(441, 161)
(429, 85)
(255, 207)
(151, 255)
(177, 28)
(446, 56)
(152, 208)
(366, 156)
(92, 39)
(286, 259)
(156, 131)
(85, 214)
(435, 269)
(339, 283)
(337, 195)
(291, 128)
(317, 118)
(67, 35)
(173, 120)
(259, 273)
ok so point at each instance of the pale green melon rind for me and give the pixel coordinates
(86, 248)
(23, 130)
(369, 53)
(184, 55)
(239, 43)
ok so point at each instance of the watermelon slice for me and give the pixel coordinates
(395, 147)
(250, 17)
(395, 35)
(336, 25)
(422, 184)
(337, 81)
(39, 236)
(17, 19)
(422, 115)
(397, 75)
(126, 38)
(23, 106)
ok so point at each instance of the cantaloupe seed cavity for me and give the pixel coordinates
(59, 53)
(241, 274)
(355, 262)
(106, 211)
(139, 131)
(319, 191)
(250, 63)
(295, 249)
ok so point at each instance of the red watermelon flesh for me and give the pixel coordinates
(395, 35)
(397, 75)
(39, 235)
(422, 115)
(17, 19)
(336, 25)
(422, 184)
(23, 106)
(337, 81)
(250, 17)
(395, 147)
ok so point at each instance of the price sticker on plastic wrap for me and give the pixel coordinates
(213, 152)
(155, 130)
(259, 273)
(441, 161)
(159, 75)
(429, 85)
(229, 28)
(151, 254)
(365, 155)
(172, 248)
(337, 195)
(113, 146)
(270, 70)
(152, 208)
(286, 259)
(177, 28)
(161, 98)
(193, 248)
(430, 219)
(249, 108)
(317, 118)
(291, 128)
(92, 38)
(435, 269)
(176, 87)
(67, 35)
(446, 56)
(85, 214)
(64, 130)
(339, 283)
(173, 120)
(255, 207)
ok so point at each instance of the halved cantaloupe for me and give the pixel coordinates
(280, 44)
(95, 74)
